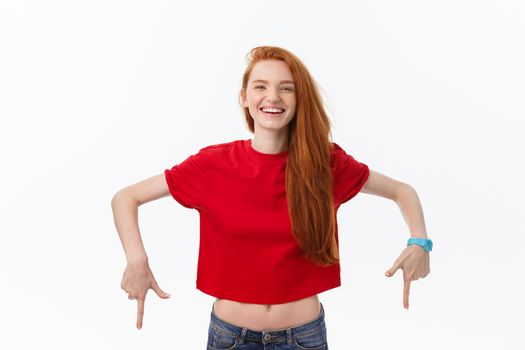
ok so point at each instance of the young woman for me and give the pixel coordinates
(269, 240)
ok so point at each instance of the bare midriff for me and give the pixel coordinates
(259, 317)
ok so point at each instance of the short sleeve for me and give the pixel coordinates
(349, 175)
(185, 180)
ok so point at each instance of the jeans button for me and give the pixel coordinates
(267, 336)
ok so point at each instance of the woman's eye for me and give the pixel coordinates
(262, 86)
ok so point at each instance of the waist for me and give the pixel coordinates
(260, 317)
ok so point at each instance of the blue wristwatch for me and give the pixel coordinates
(426, 243)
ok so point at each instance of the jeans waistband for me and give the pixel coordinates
(276, 335)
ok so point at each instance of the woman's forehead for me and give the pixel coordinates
(275, 70)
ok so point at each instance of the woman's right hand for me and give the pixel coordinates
(136, 281)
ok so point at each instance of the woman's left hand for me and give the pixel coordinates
(415, 263)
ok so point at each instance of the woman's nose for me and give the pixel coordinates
(273, 95)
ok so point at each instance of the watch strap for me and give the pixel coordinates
(426, 243)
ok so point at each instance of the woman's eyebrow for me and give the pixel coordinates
(264, 81)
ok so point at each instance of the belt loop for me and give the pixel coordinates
(243, 335)
(289, 336)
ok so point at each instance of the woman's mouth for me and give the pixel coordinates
(272, 111)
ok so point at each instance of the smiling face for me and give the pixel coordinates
(270, 95)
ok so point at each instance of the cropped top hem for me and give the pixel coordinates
(267, 298)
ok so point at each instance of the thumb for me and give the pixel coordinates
(391, 271)
(159, 291)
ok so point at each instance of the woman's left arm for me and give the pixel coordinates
(414, 260)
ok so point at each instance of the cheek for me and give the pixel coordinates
(249, 102)
(254, 102)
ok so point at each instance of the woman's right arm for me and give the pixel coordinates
(138, 277)
(125, 205)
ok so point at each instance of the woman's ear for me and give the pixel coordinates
(242, 98)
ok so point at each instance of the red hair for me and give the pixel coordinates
(308, 176)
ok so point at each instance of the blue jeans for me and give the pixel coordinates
(226, 336)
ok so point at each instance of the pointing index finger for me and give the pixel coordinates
(140, 311)
(406, 293)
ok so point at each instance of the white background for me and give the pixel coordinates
(98, 95)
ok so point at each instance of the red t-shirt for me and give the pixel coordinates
(247, 252)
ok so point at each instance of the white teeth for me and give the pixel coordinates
(273, 110)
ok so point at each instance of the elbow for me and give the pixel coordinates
(124, 195)
(117, 197)
(403, 191)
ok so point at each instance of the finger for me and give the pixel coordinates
(140, 312)
(391, 271)
(159, 291)
(397, 264)
(406, 293)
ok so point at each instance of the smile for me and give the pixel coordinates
(272, 111)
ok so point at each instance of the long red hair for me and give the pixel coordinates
(308, 174)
